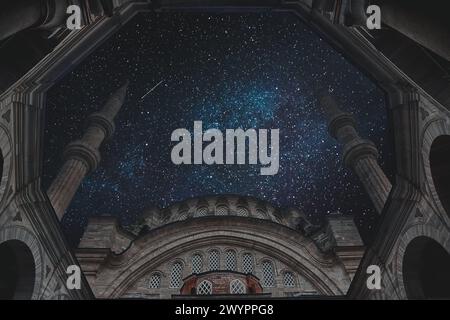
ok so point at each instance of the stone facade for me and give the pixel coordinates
(414, 217)
(120, 264)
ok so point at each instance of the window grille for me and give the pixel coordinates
(176, 275)
(268, 274)
(260, 214)
(204, 288)
(155, 281)
(288, 279)
(201, 212)
(241, 211)
(197, 263)
(183, 215)
(214, 260)
(221, 211)
(230, 260)
(237, 287)
(247, 263)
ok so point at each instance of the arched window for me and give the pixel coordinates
(260, 214)
(201, 212)
(197, 263)
(241, 211)
(247, 263)
(268, 274)
(182, 215)
(176, 275)
(204, 288)
(154, 281)
(288, 279)
(237, 287)
(230, 260)
(214, 260)
(221, 211)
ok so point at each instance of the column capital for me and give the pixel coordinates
(339, 121)
(357, 149)
(83, 152)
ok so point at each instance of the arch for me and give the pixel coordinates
(27, 257)
(242, 211)
(221, 210)
(201, 211)
(439, 157)
(17, 271)
(426, 266)
(204, 288)
(291, 249)
(237, 287)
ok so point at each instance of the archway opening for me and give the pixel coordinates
(440, 169)
(17, 271)
(425, 270)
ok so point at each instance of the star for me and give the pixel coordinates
(253, 70)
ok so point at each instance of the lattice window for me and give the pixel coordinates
(247, 263)
(204, 288)
(201, 212)
(154, 281)
(214, 260)
(241, 211)
(176, 275)
(230, 260)
(183, 215)
(237, 287)
(197, 263)
(221, 211)
(268, 274)
(288, 279)
(260, 214)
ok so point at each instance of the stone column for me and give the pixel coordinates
(82, 156)
(359, 154)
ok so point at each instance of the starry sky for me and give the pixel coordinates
(253, 70)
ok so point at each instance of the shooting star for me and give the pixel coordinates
(152, 89)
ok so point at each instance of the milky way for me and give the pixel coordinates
(229, 71)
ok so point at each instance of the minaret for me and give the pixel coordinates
(82, 156)
(359, 154)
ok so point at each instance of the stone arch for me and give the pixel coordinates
(436, 159)
(440, 169)
(21, 267)
(301, 255)
(426, 266)
(425, 233)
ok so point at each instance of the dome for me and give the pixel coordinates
(219, 205)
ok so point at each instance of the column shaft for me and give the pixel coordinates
(66, 184)
(374, 181)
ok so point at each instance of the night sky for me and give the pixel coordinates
(229, 71)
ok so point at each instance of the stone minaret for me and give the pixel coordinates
(359, 154)
(82, 156)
